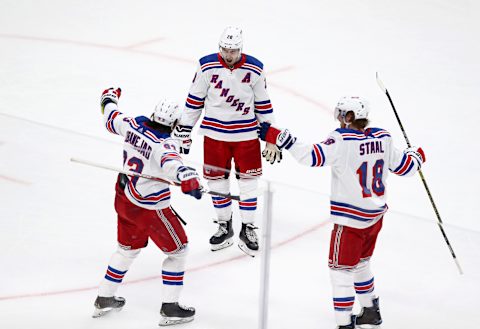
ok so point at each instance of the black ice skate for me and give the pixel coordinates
(369, 317)
(248, 239)
(174, 313)
(103, 305)
(349, 326)
(223, 237)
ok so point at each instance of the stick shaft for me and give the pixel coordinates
(424, 181)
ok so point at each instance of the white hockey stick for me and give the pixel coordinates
(160, 179)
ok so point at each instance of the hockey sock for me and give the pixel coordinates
(364, 284)
(223, 206)
(343, 295)
(116, 270)
(173, 269)
(248, 206)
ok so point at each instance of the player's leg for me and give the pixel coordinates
(248, 165)
(345, 244)
(168, 234)
(364, 280)
(122, 259)
(217, 164)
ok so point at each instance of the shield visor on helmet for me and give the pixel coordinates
(167, 113)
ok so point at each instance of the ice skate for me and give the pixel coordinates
(223, 237)
(103, 305)
(174, 313)
(349, 326)
(369, 317)
(248, 240)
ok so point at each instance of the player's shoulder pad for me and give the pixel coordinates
(170, 143)
(210, 62)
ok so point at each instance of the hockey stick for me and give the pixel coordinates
(440, 222)
(160, 179)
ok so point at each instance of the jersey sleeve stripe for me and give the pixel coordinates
(318, 157)
(109, 124)
(405, 166)
(169, 156)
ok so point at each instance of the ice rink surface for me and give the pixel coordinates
(57, 222)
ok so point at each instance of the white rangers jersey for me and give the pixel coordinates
(147, 151)
(359, 176)
(235, 100)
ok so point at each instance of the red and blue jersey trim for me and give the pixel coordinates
(364, 287)
(194, 102)
(352, 134)
(109, 123)
(138, 125)
(150, 199)
(249, 204)
(252, 64)
(229, 127)
(263, 107)
(343, 303)
(169, 156)
(347, 210)
(318, 157)
(172, 278)
(406, 165)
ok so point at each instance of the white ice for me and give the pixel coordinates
(57, 222)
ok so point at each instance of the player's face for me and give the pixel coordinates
(230, 56)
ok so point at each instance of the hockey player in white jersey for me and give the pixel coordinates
(361, 159)
(230, 87)
(143, 205)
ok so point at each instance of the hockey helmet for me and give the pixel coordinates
(231, 38)
(355, 104)
(167, 112)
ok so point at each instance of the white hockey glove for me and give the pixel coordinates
(272, 153)
(110, 95)
(183, 134)
(417, 153)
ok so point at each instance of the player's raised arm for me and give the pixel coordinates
(115, 121)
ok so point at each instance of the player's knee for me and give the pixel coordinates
(247, 185)
(219, 185)
(341, 277)
(180, 252)
(128, 253)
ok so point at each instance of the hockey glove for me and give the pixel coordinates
(189, 181)
(272, 153)
(110, 95)
(183, 134)
(272, 135)
(417, 153)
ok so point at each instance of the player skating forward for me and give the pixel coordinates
(231, 87)
(143, 205)
(360, 158)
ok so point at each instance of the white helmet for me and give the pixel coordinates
(231, 38)
(357, 105)
(166, 113)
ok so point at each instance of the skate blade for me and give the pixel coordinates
(227, 243)
(245, 249)
(368, 326)
(164, 321)
(97, 313)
